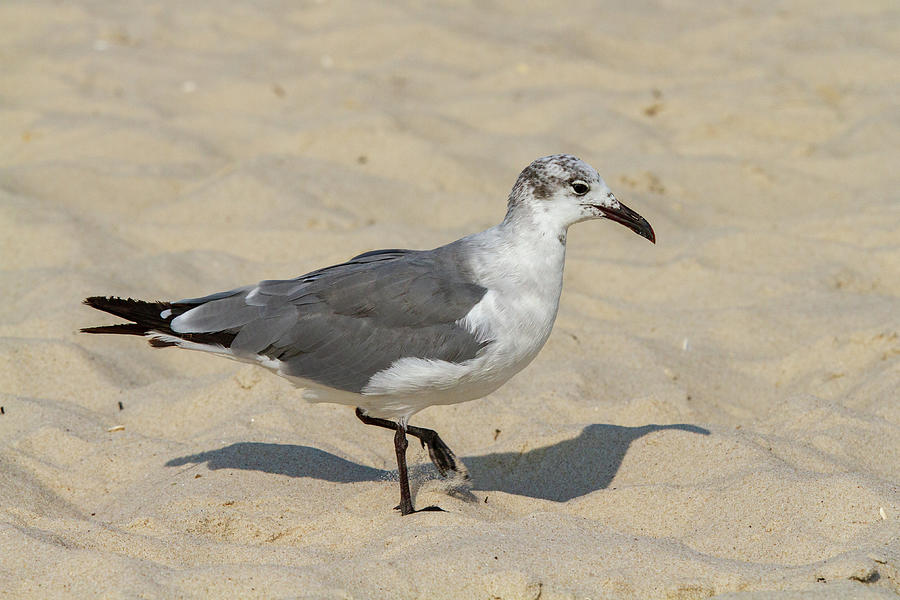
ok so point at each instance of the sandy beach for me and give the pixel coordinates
(717, 415)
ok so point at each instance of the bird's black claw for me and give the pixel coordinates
(441, 455)
(439, 452)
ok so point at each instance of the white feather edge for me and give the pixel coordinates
(312, 391)
(265, 361)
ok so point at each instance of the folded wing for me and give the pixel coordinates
(340, 325)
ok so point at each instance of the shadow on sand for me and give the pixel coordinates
(566, 469)
(559, 472)
(284, 459)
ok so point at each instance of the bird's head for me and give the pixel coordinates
(561, 190)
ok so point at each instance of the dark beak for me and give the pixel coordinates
(629, 219)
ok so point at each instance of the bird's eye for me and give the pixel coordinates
(580, 188)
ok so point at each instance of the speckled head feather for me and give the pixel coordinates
(546, 174)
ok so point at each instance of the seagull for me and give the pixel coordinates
(392, 332)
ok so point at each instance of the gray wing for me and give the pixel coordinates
(340, 325)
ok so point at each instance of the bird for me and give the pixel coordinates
(392, 332)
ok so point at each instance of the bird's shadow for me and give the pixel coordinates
(283, 459)
(566, 469)
(559, 472)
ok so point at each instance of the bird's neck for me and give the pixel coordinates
(533, 228)
(524, 254)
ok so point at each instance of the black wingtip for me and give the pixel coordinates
(121, 329)
(128, 308)
(111, 303)
(146, 317)
(96, 301)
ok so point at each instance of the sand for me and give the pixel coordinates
(714, 415)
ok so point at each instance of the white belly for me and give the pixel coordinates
(517, 330)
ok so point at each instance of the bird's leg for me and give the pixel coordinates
(441, 454)
(400, 444)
